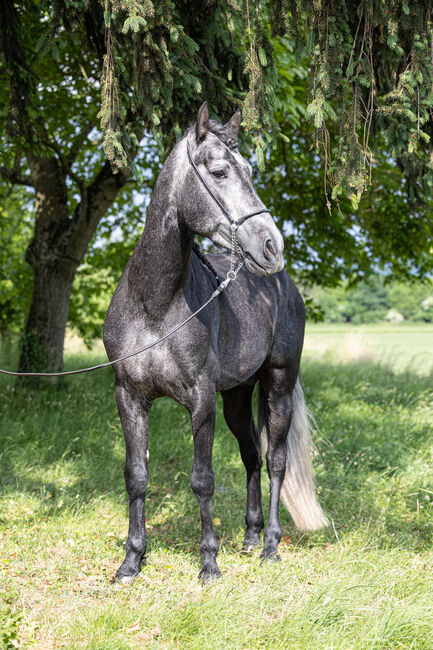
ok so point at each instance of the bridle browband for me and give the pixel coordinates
(234, 225)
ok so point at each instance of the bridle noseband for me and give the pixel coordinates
(234, 225)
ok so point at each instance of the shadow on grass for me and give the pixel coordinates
(374, 465)
(375, 450)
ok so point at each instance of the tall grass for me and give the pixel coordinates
(366, 582)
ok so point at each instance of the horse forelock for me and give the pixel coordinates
(223, 133)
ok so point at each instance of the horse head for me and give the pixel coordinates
(217, 198)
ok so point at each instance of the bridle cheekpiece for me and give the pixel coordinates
(233, 225)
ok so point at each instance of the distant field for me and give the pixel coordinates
(400, 346)
(365, 582)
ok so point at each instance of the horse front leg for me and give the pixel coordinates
(279, 402)
(133, 411)
(202, 478)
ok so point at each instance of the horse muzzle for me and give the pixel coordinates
(262, 247)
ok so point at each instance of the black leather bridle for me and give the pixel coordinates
(234, 225)
(231, 275)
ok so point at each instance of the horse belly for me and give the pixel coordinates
(242, 349)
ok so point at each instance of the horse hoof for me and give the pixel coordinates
(249, 547)
(124, 577)
(270, 556)
(207, 575)
(251, 542)
(124, 580)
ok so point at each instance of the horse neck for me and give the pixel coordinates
(160, 263)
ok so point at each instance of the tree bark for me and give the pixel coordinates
(42, 341)
(59, 244)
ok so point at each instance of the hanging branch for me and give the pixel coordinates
(110, 106)
(353, 46)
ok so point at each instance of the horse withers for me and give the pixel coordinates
(251, 333)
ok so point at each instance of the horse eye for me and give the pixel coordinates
(218, 173)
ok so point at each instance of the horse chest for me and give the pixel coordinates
(174, 364)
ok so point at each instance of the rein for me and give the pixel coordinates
(216, 293)
(231, 275)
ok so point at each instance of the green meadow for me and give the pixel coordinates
(364, 582)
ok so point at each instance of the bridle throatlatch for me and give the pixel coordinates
(231, 275)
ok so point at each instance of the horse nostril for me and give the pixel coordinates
(269, 249)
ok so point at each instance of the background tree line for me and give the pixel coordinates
(374, 301)
(336, 115)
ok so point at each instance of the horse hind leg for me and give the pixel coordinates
(286, 440)
(239, 417)
(133, 411)
(275, 413)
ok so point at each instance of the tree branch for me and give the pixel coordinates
(78, 142)
(16, 177)
(65, 164)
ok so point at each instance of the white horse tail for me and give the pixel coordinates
(298, 491)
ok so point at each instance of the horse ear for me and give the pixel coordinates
(234, 123)
(202, 121)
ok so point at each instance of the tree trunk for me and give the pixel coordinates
(59, 244)
(42, 341)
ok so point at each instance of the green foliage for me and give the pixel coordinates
(328, 241)
(15, 274)
(164, 52)
(94, 286)
(372, 72)
(376, 301)
(257, 110)
(157, 67)
(171, 61)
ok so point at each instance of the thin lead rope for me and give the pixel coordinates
(231, 275)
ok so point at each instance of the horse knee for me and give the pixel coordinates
(136, 479)
(202, 482)
(254, 519)
(252, 459)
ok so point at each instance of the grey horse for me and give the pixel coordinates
(252, 332)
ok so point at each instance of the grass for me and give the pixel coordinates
(366, 582)
(402, 346)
